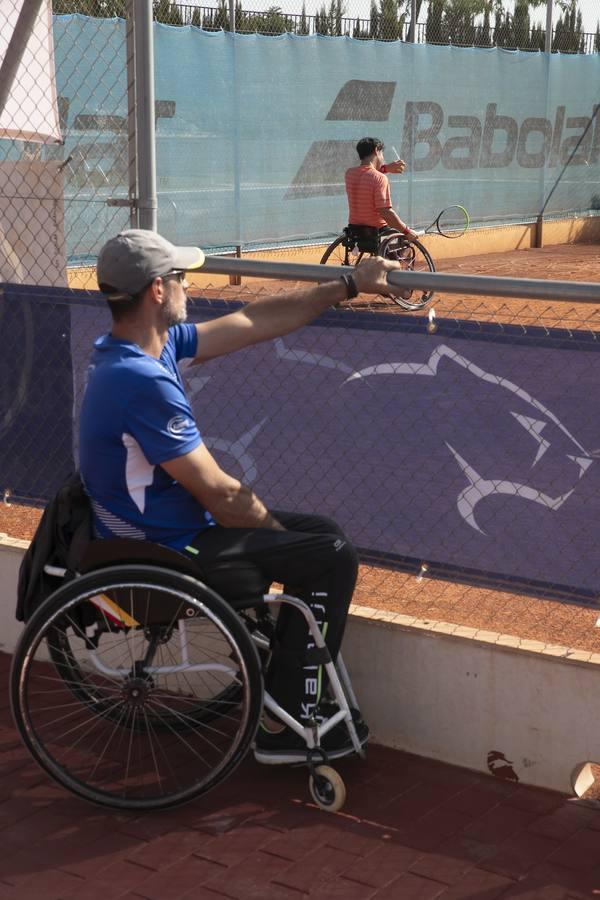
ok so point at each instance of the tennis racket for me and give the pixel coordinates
(452, 222)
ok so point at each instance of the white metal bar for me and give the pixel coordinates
(442, 282)
(160, 670)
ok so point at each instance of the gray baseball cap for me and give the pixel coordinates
(134, 258)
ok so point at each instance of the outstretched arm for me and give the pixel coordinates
(275, 316)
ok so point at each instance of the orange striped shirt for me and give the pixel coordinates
(368, 190)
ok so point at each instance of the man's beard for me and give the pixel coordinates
(172, 316)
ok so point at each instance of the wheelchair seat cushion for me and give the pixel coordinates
(239, 582)
(111, 552)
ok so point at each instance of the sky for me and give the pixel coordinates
(590, 10)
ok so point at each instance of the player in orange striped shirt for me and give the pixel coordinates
(368, 190)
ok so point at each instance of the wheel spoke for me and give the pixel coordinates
(147, 737)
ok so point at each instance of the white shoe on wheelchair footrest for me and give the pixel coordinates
(288, 747)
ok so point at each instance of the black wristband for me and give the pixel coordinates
(351, 289)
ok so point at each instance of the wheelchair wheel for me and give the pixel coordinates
(327, 788)
(338, 254)
(413, 256)
(136, 687)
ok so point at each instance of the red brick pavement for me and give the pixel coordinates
(412, 829)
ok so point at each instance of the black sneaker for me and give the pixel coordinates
(288, 747)
(328, 707)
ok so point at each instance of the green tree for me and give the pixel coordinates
(217, 19)
(167, 12)
(83, 7)
(568, 34)
(537, 39)
(434, 28)
(337, 10)
(115, 9)
(503, 29)
(389, 21)
(273, 21)
(361, 30)
(483, 35)
(330, 21)
(522, 23)
(100, 9)
(459, 20)
(303, 27)
(373, 20)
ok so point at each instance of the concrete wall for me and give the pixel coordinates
(11, 554)
(519, 709)
(490, 702)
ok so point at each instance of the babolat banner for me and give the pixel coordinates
(254, 133)
(474, 450)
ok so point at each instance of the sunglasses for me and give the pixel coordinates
(174, 276)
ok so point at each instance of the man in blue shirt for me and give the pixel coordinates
(150, 476)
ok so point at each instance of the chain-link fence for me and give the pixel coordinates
(511, 26)
(232, 171)
(278, 177)
(437, 22)
(62, 192)
(459, 450)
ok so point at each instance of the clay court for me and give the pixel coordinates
(524, 617)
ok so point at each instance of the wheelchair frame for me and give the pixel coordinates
(120, 704)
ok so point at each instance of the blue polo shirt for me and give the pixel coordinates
(135, 415)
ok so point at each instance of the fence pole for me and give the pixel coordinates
(492, 286)
(548, 42)
(144, 96)
(131, 124)
(412, 32)
(232, 15)
(16, 48)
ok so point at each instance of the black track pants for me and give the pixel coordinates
(314, 561)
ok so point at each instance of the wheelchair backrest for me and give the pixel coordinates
(365, 237)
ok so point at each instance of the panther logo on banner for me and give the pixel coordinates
(459, 450)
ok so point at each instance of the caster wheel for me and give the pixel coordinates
(327, 789)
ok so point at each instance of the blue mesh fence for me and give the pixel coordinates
(254, 133)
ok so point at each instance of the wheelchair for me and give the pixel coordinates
(137, 687)
(356, 242)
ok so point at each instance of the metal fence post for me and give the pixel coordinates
(144, 96)
(232, 15)
(548, 42)
(131, 123)
(412, 32)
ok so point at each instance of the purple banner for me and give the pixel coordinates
(36, 393)
(473, 449)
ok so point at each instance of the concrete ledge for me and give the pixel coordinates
(11, 554)
(522, 710)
